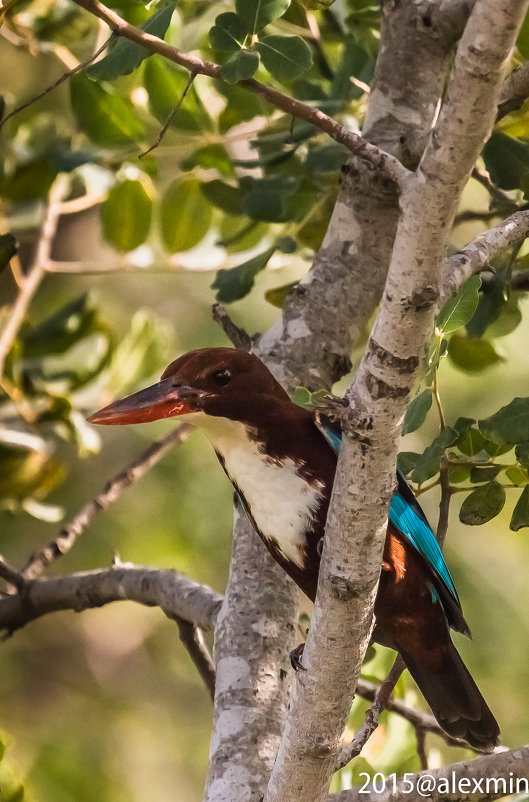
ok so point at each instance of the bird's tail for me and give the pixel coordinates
(454, 697)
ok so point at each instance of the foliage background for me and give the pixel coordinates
(106, 704)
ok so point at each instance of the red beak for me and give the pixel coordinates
(162, 400)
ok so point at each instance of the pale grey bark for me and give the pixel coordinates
(358, 514)
(329, 309)
(253, 636)
(174, 593)
(479, 253)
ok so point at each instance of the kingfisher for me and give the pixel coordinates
(281, 459)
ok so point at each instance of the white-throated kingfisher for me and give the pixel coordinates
(282, 466)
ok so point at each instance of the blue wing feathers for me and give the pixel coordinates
(408, 518)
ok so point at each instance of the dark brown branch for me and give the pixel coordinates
(41, 559)
(193, 639)
(237, 336)
(178, 596)
(383, 162)
(59, 81)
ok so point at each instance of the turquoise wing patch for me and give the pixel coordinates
(405, 519)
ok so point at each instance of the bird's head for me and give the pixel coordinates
(220, 382)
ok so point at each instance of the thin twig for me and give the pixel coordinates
(237, 336)
(169, 119)
(372, 716)
(483, 178)
(421, 750)
(37, 270)
(11, 575)
(44, 557)
(384, 162)
(59, 81)
(193, 639)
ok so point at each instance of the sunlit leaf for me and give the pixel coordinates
(126, 215)
(185, 215)
(278, 295)
(165, 84)
(125, 55)
(483, 504)
(285, 57)
(108, 119)
(517, 475)
(458, 311)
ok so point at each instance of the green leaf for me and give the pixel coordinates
(483, 504)
(237, 282)
(126, 215)
(125, 55)
(214, 156)
(228, 33)
(165, 84)
(30, 181)
(458, 311)
(458, 473)
(278, 295)
(462, 425)
(522, 43)
(107, 119)
(510, 424)
(56, 334)
(517, 475)
(522, 454)
(428, 463)
(268, 198)
(484, 473)
(447, 437)
(255, 14)
(471, 442)
(241, 66)
(285, 57)
(8, 248)
(223, 196)
(472, 356)
(185, 215)
(520, 514)
(507, 160)
(416, 412)
(407, 460)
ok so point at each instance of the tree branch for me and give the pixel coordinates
(357, 518)
(483, 778)
(514, 91)
(41, 559)
(382, 162)
(178, 596)
(37, 270)
(193, 639)
(479, 253)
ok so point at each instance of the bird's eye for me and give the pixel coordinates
(222, 377)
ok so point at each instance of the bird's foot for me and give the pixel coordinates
(295, 657)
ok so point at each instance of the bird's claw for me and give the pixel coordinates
(295, 657)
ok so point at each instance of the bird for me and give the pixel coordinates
(281, 459)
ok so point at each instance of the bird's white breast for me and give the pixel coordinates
(282, 503)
